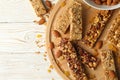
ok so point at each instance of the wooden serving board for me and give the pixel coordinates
(60, 64)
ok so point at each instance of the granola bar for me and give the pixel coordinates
(108, 65)
(63, 22)
(38, 7)
(86, 58)
(73, 62)
(75, 21)
(96, 28)
(114, 32)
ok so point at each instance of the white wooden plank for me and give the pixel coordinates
(16, 11)
(26, 66)
(20, 37)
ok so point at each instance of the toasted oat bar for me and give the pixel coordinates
(38, 7)
(96, 28)
(108, 65)
(86, 58)
(75, 21)
(73, 62)
(114, 32)
(63, 22)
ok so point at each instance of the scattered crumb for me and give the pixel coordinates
(51, 67)
(45, 59)
(52, 79)
(49, 71)
(45, 55)
(37, 52)
(38, 36)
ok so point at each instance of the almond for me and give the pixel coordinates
(42, 21)
(112, 74)
(58, 54)
(48, 4)
(51, 45)
(56, 33)
(98, 2)
(98, 44)
(109, 2)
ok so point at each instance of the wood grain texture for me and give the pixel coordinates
(18, 60)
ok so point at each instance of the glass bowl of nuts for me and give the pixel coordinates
(103, 4)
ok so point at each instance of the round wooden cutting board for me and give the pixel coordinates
(60, 64)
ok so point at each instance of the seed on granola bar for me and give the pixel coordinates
(75, 12)
(114, 32)
(62, 23)
(38, 7)
(96, 28)
(73, 61)
(108, 63)
(86, 58)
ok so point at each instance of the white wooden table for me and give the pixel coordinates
(18, 60)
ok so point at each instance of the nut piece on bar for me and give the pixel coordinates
(86, 58)
(38, 7)
(96, 28)
(62, 23)
(75, 12)
(108, 65)
(73, 62)
(114, 32)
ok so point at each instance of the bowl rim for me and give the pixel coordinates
(101, 7)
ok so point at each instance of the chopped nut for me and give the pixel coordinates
(73, 61)
(96, 28)
(86, 58)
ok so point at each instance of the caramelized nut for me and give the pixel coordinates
(56, 33)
